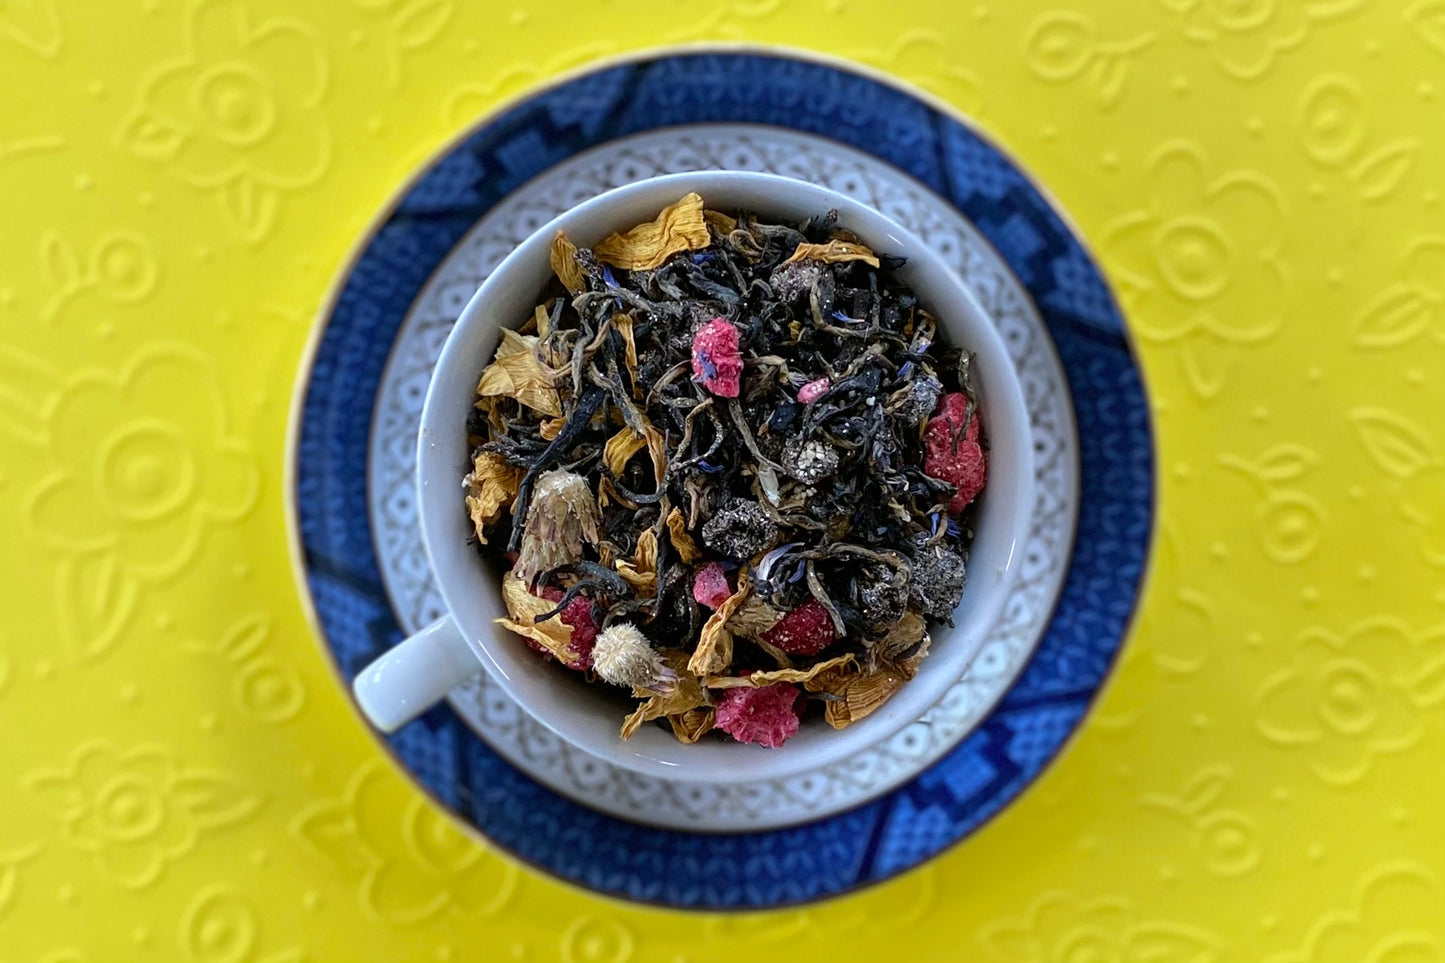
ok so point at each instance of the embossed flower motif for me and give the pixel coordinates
(1062, 928)
(1394, 915)
(413, 861)
(241, 112)
(1345, 699)
(144, 462)
(136, 811)
(1246, 36)
(1199, 261)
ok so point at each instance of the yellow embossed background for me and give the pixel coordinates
(180, 776)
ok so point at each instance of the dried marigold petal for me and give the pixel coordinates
(490, 487)
(834, 251)
(755, 680)
(903, 635)
(516, 372)
(564, 263)
(692, 725)
(722, 223)
(623, 323)
(714, 651)
(686, 548)
(860, 693)
(678, 227)
(523, 607)
(640, 570)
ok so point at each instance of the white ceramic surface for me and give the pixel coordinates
(421, 669)
(745, 803)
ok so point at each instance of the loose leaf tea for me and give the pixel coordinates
(733, 471)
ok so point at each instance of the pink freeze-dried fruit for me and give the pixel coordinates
(578, 615)
(806, 630)
(955, 457)
(813, 390)
(710, 585)
(717, 362)
(765, 715)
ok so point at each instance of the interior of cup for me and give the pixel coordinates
(590, 715)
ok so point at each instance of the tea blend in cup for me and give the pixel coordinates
(731, 470)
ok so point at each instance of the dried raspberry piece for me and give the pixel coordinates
(814, 390)
(710, 585)
(765, 715)
(806, 630)
(577, 614)
(954, 458)
(717, 362)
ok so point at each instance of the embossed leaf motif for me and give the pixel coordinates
(250, 205)
(150, 134)
(1285, 462)
(412, 861)
(10, 863)
(1382, 171)
(1394, 316)
(1427, 19)
(95, 598)
(418, 22)
(136, 812)
(34, 25)
(1396, 445)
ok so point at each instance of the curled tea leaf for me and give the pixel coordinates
(491, 486)
(833, 252)
(679, 227)
(517, 373)
(565, 264)
(756, 680)
(523, 608)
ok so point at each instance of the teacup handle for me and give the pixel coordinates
(412, 677)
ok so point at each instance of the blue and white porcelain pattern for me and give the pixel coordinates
(749, 804)
(1006, 750)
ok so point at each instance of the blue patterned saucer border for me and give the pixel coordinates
(1008, 750)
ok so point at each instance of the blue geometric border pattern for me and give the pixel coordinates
(989, 768)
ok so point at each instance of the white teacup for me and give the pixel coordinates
(419, 672)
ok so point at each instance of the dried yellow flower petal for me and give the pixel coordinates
(679, 227)
(687, 549)
(686, 696)
(692, 725)
(714, 651)
(834, 251)
(564, 263)
(758, 679)
(720, 222)
(523, 608)
(640, 571)
(620, 448)
(491, 486)
(623, 323)
(516, 372)
(861, 693)
(552, 427)
(902, 635)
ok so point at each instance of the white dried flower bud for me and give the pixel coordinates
(560, 517)
(623, 656)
